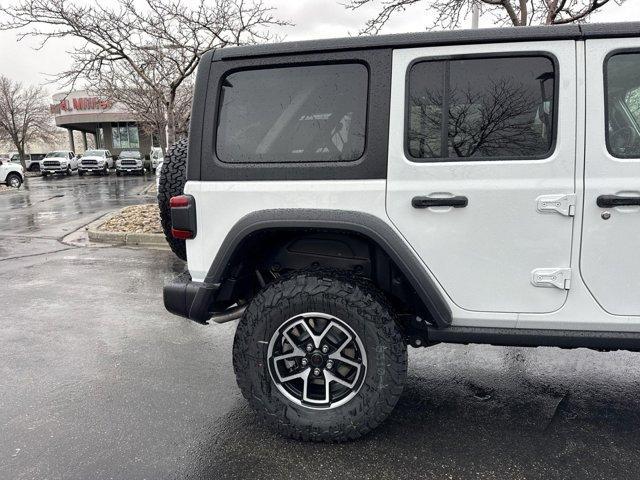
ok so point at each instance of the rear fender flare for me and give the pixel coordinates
(364, 224)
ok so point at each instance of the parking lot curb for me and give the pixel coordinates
(154, 240)
(145, 190)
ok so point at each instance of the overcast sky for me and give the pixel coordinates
(312, 19)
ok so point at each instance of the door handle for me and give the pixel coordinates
(426, 202)
(611, 201)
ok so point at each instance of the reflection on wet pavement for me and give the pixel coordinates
(54, 206)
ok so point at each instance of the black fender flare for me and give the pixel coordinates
(364, 224)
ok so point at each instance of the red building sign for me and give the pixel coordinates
(79, 104)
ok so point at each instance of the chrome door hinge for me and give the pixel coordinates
(552, 277)
(564, 204)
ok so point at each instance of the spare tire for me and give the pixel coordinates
(172, 180)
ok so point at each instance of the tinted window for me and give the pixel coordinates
(481, 108)
(623, 105)
(293, 114)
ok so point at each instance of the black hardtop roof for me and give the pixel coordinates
(448, 37)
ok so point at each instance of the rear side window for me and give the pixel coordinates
(481, 109)
(623, 105)
(293, 114)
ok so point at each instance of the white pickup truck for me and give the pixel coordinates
(97, 161)
(11, 173)
(59, 161)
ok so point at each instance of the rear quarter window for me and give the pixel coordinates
(300, 114)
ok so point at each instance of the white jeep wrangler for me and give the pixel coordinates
(347, 198)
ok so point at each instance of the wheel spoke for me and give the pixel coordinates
(304, 375)
(295, 354)
(326, 330)
(330, 377)
(291, 342)
(342, 359)
(337, 355)
(314, 337)
(344, 344)
(317, 339)
(307, 398)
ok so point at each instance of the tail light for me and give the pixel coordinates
(183, 217)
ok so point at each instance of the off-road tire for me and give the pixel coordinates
(80, 173)
(172, 180)
(358, 304)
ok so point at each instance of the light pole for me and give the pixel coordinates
(475, 15)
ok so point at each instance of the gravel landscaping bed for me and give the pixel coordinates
(4, 188)
(134, 219)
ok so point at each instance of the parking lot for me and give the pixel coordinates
(99, 381)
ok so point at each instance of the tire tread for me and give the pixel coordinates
(315, 288)
(172, 181)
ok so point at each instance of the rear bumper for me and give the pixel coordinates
(189, 299)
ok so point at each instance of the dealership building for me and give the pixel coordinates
(110, 124)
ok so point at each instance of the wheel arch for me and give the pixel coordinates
(16, 173)
(299, 223)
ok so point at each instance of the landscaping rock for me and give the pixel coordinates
(4, 188)
(134, 219)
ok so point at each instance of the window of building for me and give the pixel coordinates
(293, 114)
(623, 105)
(481, 108)
(125, 135)
(100, 137)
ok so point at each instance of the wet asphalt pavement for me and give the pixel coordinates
(98, 381)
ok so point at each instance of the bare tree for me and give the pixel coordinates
(152, 43)
(143, 100)
(448, 14)
(24, 115)
(495, 120)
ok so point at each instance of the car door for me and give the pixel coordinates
(481, 169)
(610, 263)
